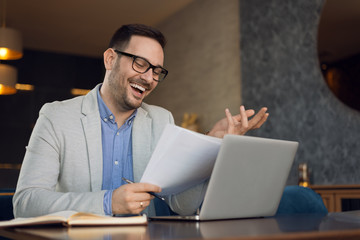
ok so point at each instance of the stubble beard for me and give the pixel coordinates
(119, 93)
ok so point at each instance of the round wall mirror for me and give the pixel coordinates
(339, 49)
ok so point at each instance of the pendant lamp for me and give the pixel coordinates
(10, 39)
(8, 78)
(10, 44)
(10, 49)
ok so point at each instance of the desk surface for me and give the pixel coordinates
(282, 227)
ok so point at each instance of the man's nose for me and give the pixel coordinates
(148, 76)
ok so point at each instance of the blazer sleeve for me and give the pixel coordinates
(45, 162)
(187, 202)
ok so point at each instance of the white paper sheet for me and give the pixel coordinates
(182, 159)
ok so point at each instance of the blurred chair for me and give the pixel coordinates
(6, 207)
(296, 199)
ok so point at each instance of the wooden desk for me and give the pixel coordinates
(282, 227)
(333, 195)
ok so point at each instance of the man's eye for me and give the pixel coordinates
(140, 64)
(157, 72)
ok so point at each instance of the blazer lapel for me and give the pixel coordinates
(92, 132)
(141, 142)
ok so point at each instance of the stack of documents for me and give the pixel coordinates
(181, 159)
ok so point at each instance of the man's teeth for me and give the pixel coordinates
(134, 85)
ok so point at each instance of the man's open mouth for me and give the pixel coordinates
(138, 88)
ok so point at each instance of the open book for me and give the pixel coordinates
(78, 233)
(72, 218)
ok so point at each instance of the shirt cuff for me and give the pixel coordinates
(108, 202)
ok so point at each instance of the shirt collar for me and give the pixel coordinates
(105, 113)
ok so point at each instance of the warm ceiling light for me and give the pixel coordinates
(24, 87)
(8, 76)
(10, 44)
(79, 91)
(10, 39)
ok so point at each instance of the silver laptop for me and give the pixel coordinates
(247, 180)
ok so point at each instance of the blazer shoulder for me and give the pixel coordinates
(155, 110)
(156, 113)
(62, 108)
(73, 107)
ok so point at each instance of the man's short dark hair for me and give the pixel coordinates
(122, 36)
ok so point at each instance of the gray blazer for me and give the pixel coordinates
(62, 167)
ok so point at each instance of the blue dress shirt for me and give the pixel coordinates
(117, 152)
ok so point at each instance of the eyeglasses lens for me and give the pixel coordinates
(141, 65)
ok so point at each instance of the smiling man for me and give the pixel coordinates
(128, 79)
(81, 148)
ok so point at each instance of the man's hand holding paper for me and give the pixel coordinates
(182, 159)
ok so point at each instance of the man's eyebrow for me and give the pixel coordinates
(158, 65)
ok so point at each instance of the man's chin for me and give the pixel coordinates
(132, 105)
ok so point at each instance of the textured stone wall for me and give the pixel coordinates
(280, 70)
(203, 60)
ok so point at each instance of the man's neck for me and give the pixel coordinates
(121, 117)
(120, 114)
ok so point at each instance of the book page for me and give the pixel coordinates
(59, 217)
(72, 218)
(181, 159)
(86, 219)
(87, 233)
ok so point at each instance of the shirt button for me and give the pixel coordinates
(117, 133)
(105, 119)
(116, 163)
(111, 117)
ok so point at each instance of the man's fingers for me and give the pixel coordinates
(239, 124)
(132, 198)
(249, 113)
(258, 117)
(137, 206)
(229, 117)
(139, 191)
(261, 122)
(231, 123)
(244, 117)
(143, 187)
(140, 204)
(138, 197)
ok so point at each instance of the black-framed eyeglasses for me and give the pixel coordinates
(141, 65)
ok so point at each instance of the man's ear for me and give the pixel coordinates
(109, 59)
